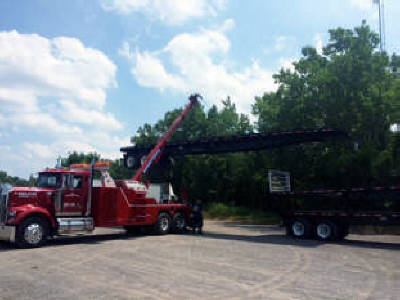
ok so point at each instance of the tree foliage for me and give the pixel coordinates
(348, 86)
(15, 181)
(116, 170)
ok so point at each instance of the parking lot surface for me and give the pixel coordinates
(229, 261)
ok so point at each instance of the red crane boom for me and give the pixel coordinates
(156, 153)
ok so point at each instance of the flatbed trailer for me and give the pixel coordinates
(329, 214)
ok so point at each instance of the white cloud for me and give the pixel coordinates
(169, 11)
(200, 61)
(38, 150)
(52, 98)
(5, 148)
(150, 72)
(363, 4)
(125, 51)
(368, 7)
(36, 72)
(60, 66)
(29, 157)
(72, 112)
(42, 122)
(318, 43)
(287, 63)
(227, 25)
(2, 122)
(285, 43)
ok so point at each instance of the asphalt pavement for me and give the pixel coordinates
(229, 261)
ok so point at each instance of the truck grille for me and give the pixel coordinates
(3, 208)
(5, 190)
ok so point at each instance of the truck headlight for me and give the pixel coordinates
(12, 213)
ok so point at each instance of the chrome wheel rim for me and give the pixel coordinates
(298, 228)
(324, 231)
(164, 224)
(33, 234)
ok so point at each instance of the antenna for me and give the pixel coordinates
(58, 163)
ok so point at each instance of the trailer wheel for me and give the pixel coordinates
(179, 223)
(326, 230)
(301, 228)
(31, 233)
(163, 224)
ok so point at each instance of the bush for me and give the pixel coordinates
(241, 214)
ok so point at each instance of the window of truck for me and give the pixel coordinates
(49, 180)
(77, 182)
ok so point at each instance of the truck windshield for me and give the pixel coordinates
(49, 180)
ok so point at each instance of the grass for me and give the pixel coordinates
(222, 211)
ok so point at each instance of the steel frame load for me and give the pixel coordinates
(235, 143)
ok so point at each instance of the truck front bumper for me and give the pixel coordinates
(7, 233)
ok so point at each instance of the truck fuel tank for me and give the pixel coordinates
(72, 225)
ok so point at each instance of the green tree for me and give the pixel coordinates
(79, 158)
(116, 170)
(348, 87)
(13, 180)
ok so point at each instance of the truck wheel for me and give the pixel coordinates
(326, 230)
(31, 233)
(301, 228)
(163, 224)
(179, 223)
(133, 229)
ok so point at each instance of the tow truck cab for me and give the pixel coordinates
(65, 202)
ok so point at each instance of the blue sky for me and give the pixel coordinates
(84, 75)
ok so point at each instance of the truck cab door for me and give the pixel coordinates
(72, 196)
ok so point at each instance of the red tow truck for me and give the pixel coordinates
(66, 201)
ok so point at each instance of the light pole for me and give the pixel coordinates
(381, 6)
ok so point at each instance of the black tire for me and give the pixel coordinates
(327, 230)
(32, 233)
(300, 228)
(133, 230)
(163, 224)
(198, 230)
(179, 223)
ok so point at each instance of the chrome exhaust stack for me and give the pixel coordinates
(89, 197)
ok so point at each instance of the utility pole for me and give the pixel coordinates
(382, 37)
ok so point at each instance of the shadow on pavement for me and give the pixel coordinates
(275, 239)
(77, 239)
(280, 239)
(252, 227)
